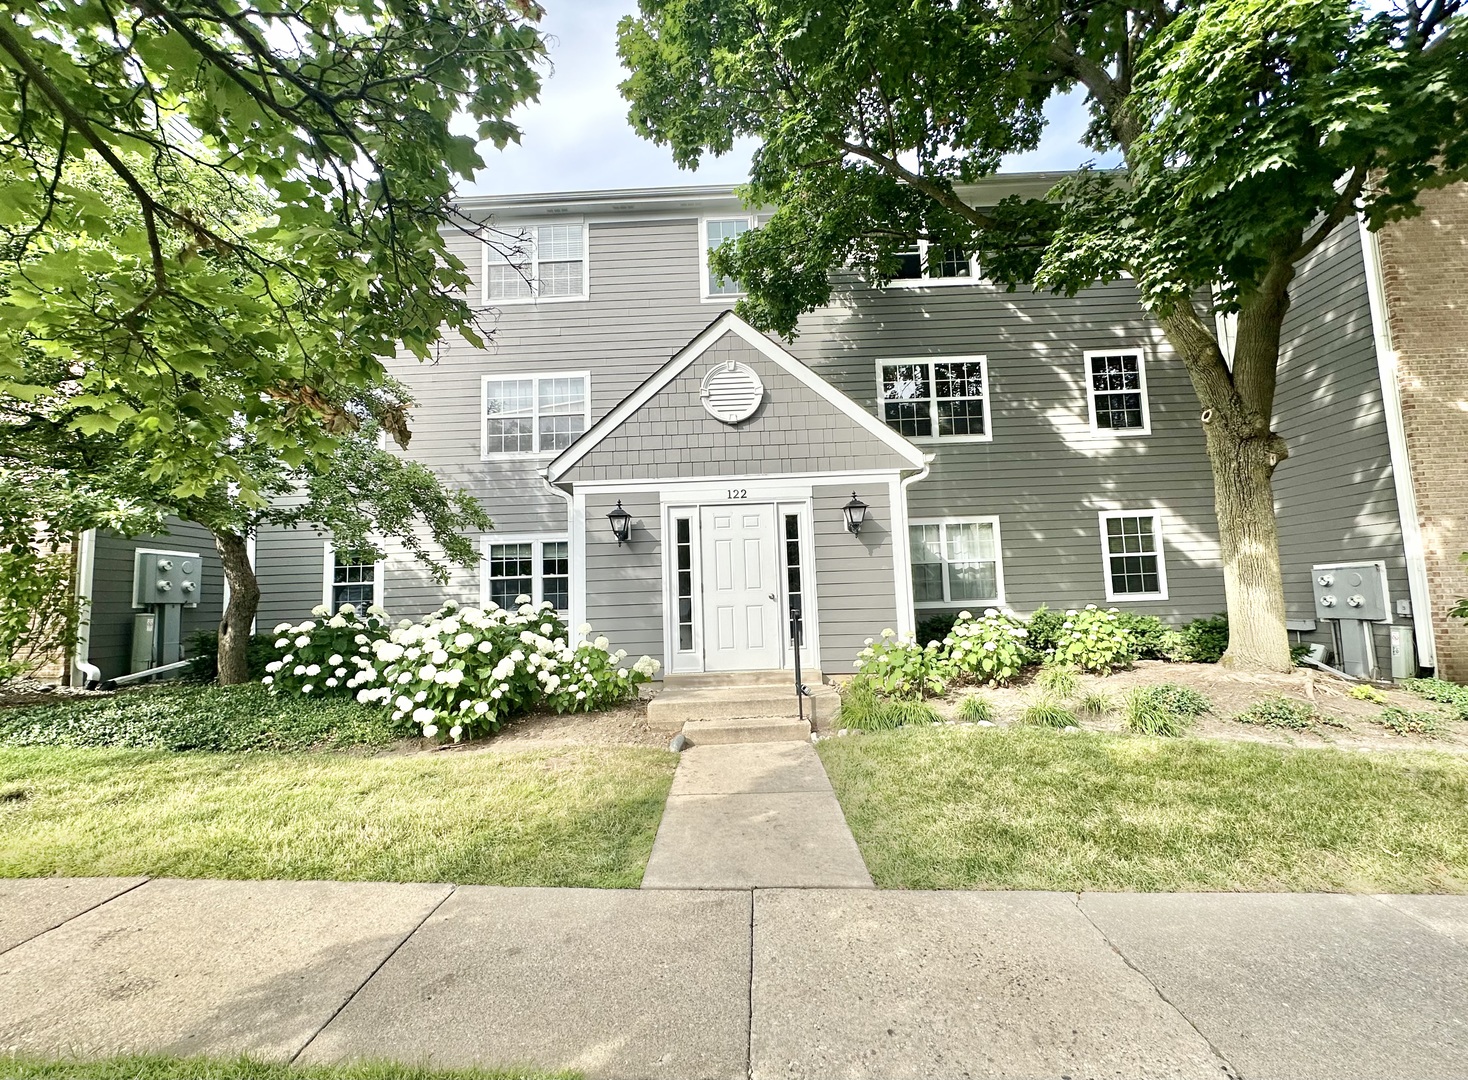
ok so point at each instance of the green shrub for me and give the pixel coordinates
(1366, 692)
(1092, 640)
(1283, 712)
(203, 652)
(899, 667)
(975, 707)
(1059, 680)
(935, 627)
(1096, 704)
(1044, 627)
(1047, 712)
(1204, 640)
(187, 717)
(991, 649)
(1407, 722)
(1151, 638)
(1441, 691)
(468, 669)
(1165, 709)
(329, 655)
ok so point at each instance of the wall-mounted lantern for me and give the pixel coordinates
(621, 523)
(855, 512)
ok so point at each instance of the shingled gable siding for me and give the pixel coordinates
(111, 619)
(795, 430)
(1045, 474)
(856, 590)
(1335, 496)
(624, 585)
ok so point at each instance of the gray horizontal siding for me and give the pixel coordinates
(794, 430)
(289, 565)
(856, 595)
(110, 617)
(624, 585)
(1335, 494)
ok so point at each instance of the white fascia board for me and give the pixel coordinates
(1396, 432)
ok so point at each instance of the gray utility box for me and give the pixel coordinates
(162, 578)
(1349, 597)
(1350, 591)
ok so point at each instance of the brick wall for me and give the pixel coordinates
(1425, 265)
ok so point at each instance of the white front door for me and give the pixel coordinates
(741, 623)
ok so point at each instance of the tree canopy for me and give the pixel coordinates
(279, 177)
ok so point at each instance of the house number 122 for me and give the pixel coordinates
(739, 493)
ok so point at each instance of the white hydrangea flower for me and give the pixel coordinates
(267, 680)
(404, 702)
(274, 666)
(303, 641)
(485, 646)
(430, 730)
(334, 660)
(281, 643)
(299, 669)
(281, 628)
(347, 609)
(455, 732)
(481, 707)
(421, 696)
(621, 673)
(331, 682)
(313, 670)
(427, 672)
(336, 622)
(320, 609)
(307, 688)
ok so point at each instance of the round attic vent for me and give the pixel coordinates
(731, 392)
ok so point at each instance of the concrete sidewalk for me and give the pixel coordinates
(757, 815)
(683, 984)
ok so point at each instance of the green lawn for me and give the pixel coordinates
(583, 816)
(1022, 809)
(160, 1068)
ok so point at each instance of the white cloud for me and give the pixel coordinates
(577, 138)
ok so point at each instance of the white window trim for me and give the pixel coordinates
(930, 361)
(1157, 538)
(534, 376)
(997, 601)
(1120, 433)
(534, 252)
(328, 575)
(974, 277)
(537, 565)
(703, 257)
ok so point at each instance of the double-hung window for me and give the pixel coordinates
(936, 398)
(536, 568)
(352, 577)
(930, 264)
(1131, 547)
(534, 414)
(1116, 392)
(956, 561)
(545, 262)
(715, 232)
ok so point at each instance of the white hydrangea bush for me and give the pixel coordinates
(1093, 640)
(328, 654)
(992, 648)
(463, 671)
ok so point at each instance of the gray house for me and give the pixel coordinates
(1005, 449)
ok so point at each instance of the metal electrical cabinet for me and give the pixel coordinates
(1350, 597)
(164, 583)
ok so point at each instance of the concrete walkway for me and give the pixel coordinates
(687, 984)
(754, 816)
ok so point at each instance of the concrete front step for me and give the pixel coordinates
(757, 729)
(723, 680)
(674, 706)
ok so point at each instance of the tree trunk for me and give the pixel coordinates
(1248, 538)
(1242, 452)
(239, 613)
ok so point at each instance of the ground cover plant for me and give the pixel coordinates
(974, 708)
(567, 816)
(1401, 721)
(1282, 712)
(1047, 711)
(972, 808)
(1441, 691)
(182, 716)
(165, 1068)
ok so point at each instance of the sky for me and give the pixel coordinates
(576, 138)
